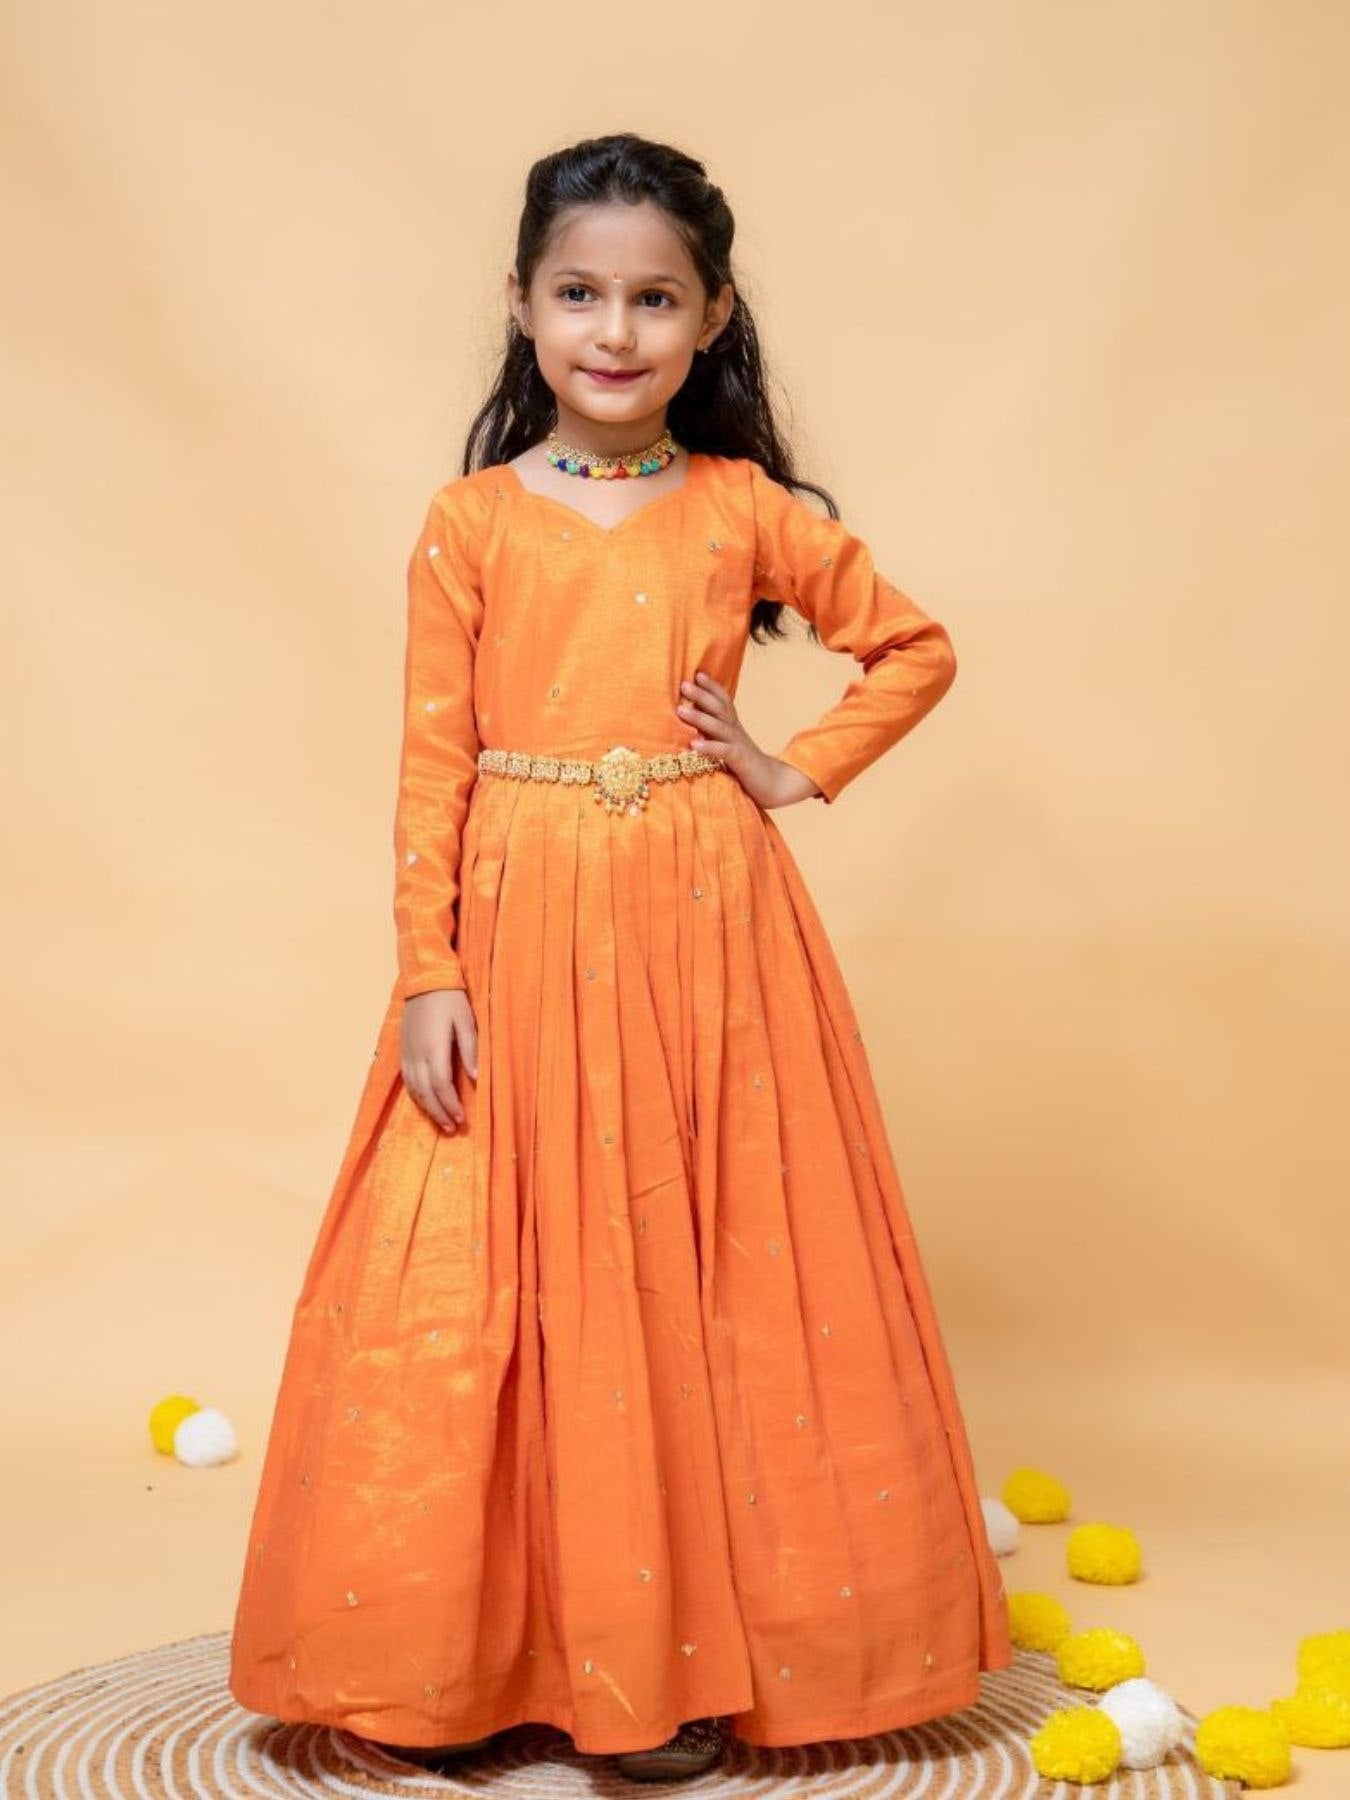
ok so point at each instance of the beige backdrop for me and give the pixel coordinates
(1057, 299)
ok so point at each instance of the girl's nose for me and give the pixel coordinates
(615, 328)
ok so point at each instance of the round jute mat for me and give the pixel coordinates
(163, 1724)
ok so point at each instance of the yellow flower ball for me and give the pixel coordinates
(1335, 1676)
(1037, 1621)
(166, 1417)
(1316, 1715)
(1104, 1553)
(1322, 1651)
(1243, 1743)
(1077, 1743)
(1099, 1658)
(1035, 1497)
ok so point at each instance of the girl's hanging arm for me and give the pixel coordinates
(827, 575)
(438, 763)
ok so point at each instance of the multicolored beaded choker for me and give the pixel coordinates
(572, 461)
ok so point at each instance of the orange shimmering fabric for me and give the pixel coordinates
(627, 1404)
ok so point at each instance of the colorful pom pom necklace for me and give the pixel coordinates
(572, 461)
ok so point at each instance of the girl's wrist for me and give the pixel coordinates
(792, 783)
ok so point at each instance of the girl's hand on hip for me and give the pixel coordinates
(768, 781)
(434, 1025)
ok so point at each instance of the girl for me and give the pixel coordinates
(615, 1396)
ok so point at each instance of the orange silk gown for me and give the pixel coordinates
(627, 1403)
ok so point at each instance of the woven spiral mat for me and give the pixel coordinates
(162, 1723)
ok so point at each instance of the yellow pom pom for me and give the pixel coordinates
(1077, 1743)
(1243, 1743)
(1105, 1553)
(1315, 1714)
(1322, 1651)
(1335, 1676)
(1035, 1497)
(1037, 1621)
(166, 1417)
(1099, 1658)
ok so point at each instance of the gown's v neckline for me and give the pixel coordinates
(691, 473)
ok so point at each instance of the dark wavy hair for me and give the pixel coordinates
(723, 407)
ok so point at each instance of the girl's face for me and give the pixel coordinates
(616, 289)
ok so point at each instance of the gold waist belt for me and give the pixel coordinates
(620, 775)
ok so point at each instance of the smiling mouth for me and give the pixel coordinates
(614, 374)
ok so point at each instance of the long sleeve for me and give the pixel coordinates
(826, 574)
(439, 759)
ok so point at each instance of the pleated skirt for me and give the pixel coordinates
(626, 1404)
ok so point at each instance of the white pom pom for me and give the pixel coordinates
(205, 1437)
(1001, 1526)
(1150, 1722)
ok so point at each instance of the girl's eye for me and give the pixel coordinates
(577, 288)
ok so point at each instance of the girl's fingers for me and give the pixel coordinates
(714, 733)
(704, 722)
(467, 1040)
(705, 693)
(427, 1101)
(432, 1107)
(710, 710)
(428, 1074)
(430, 1085)
(705, 719)
(443, 1087)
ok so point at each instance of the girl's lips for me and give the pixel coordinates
(616, 376)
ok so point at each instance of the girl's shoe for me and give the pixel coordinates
(433, 1755)
(696, 1746)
